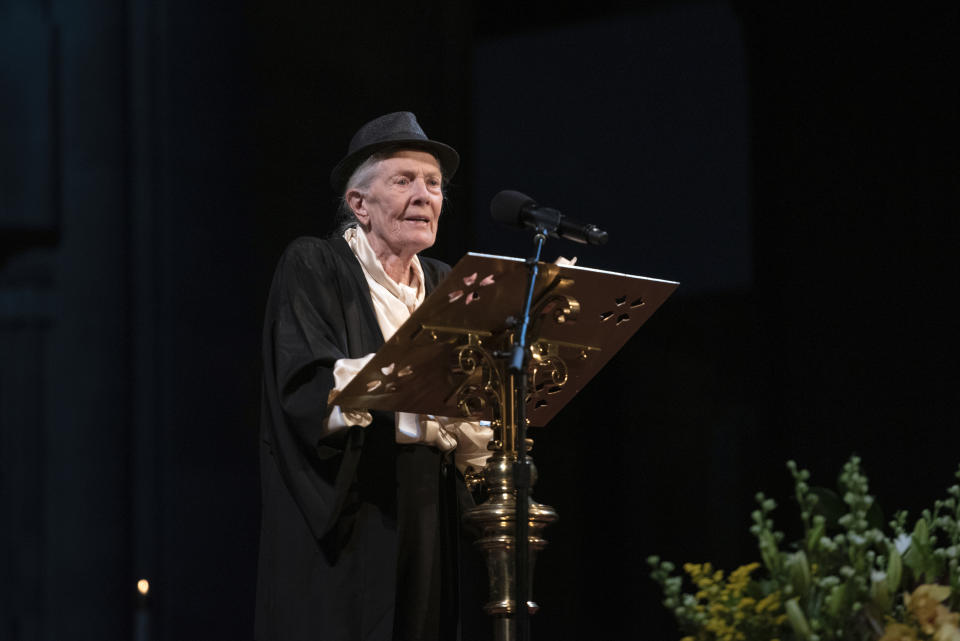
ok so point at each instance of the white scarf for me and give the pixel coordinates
(393, 302)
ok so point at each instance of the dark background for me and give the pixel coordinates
(795, 167)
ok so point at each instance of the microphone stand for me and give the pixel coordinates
(519, 359)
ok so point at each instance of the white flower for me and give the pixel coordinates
(902, 543)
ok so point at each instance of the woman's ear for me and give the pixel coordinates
(355, 201)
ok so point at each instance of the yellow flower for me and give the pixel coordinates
(898, 632)
(769, 602)
(947, 632)
(743, 572)
(718, 608)
(924, 605)
(729, 613)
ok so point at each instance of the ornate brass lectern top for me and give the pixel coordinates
(449, 359)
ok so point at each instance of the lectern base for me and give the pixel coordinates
(496, 519)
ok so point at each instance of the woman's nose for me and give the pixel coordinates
(420, 191)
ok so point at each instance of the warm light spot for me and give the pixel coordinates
(143, 586)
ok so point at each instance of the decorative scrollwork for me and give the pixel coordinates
(548, 375)
(555, 367)
(482, 385)
(469, 359)
(558, 307)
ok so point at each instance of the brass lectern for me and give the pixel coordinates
(451, 359)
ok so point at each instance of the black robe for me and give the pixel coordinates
(358, 534)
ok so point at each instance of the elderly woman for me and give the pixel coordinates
(360, 509)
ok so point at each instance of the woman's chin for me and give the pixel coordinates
(417, 242)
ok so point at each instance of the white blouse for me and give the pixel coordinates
(393, 303)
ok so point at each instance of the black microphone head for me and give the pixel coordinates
(507, 205)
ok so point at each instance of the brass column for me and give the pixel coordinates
(495, 518)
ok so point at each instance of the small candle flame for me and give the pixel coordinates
(143, 586)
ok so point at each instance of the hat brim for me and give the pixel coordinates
(446, 155)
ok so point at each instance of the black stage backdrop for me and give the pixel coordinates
(795, 167)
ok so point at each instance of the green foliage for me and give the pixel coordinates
(844, 580)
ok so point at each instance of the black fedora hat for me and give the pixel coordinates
(399, 129)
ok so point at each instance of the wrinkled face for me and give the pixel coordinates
(400, 209)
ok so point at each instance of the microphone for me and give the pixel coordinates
(519, 210)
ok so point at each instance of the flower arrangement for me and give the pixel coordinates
(845, 580)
